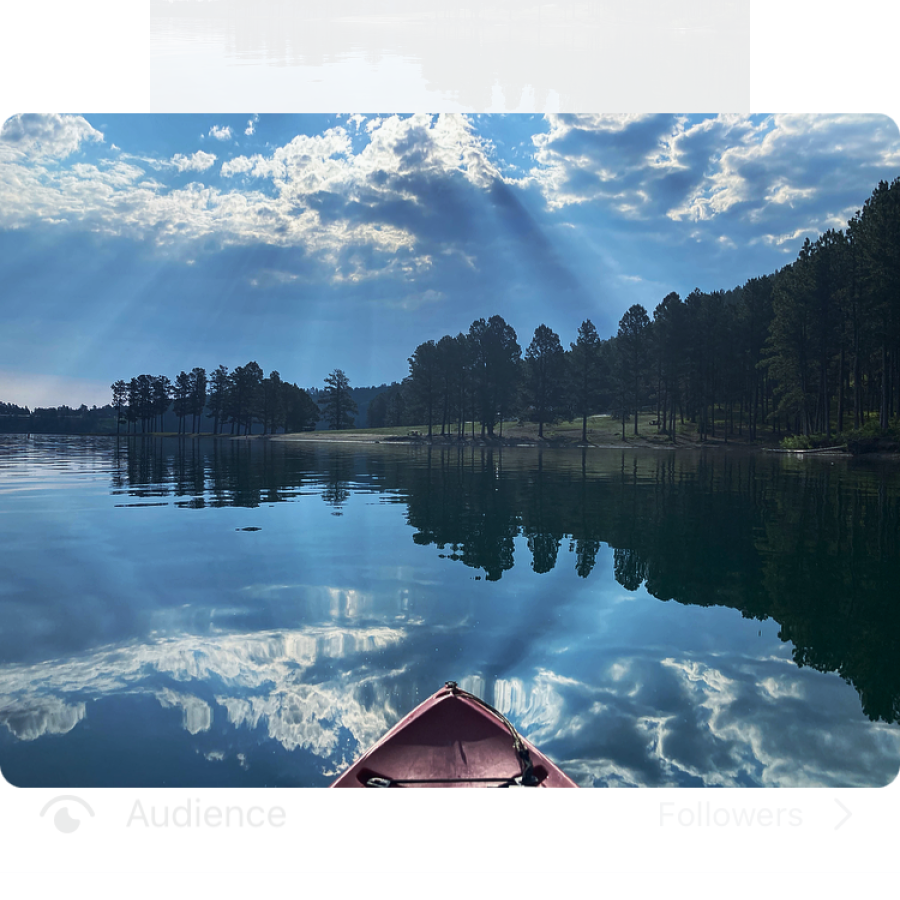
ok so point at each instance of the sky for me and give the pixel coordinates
(135, 244)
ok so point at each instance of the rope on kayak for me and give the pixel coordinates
(380, 781)
(528, 778)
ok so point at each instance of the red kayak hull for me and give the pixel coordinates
(450, 740)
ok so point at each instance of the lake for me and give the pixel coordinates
(253, 612)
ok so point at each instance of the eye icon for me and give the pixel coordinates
(62, 818)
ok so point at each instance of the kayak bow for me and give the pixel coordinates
(453, 739)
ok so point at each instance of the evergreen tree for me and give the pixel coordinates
(376, 417)
(218, 396)
(182, 394)
(197, 397)
(878, 231)
(300, 411)
(338, 406)
(585, 364)
(272, 402)
(425, 380)
(632, 341)
(496, 356)
(120, 397)
(545, 376)
(244, 402)
(790, 354)
(161, 398)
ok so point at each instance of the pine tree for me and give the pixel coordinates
(120, 396)
(496, 357)
(218, 396)
(632, 339)
(544, 378)
(182, 394)
(584, 373)
(339, 407)
(425, 380)
(197, 397)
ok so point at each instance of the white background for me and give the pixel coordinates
(94, 56)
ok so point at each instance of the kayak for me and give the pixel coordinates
(453, 739)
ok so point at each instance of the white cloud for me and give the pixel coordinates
(785, 175)
(237, 166)
(788, 160)
(251, 125)
(398, 149)
(220, 132)
(197, 162)
(336, 204)
(40, 136)
(585, 158)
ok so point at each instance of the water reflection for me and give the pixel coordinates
(814, 545)
(641, 721)
(207, 607)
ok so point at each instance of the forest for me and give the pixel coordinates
(809, 353)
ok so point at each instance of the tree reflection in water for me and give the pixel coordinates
(811, 543)
(267, 616)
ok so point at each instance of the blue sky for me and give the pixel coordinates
(137, 243)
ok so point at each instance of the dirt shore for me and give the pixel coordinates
(522, 439)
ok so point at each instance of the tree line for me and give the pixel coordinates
(813, 349)
(235, 400)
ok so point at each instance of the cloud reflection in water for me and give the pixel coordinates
(644, 721)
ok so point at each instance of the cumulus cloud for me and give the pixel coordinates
(251, 125)
(396, 197)
(399, 151)
(740, 170)
(40, 136)
(220, 132)
(237, 166)
(197, 162)
(314, 192)
(583, 158)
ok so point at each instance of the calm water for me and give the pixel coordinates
(258, 613)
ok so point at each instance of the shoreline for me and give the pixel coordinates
(510, 443)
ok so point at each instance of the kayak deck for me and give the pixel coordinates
(453, 739)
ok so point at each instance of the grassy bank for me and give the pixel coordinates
(603, 431)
